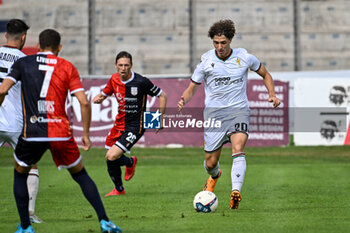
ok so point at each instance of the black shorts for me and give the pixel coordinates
(125, 140)
(65, 154)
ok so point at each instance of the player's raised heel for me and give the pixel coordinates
(29, 229)
(235, 199)
(109, 227)
(115, 192)
(210, 185)
(130, 171)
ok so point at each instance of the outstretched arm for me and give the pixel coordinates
(187, 95)
(4, 88)
(269, 85)
(162, 105)
(99, 98)
(85, 109)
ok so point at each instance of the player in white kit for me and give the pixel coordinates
(224, 72)
(11, 122)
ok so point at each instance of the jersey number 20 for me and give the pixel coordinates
(241, 127)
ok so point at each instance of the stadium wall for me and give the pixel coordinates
(156, 32)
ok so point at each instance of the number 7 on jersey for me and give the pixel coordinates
(47, 79)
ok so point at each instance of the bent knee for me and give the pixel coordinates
(114, 153)
(111, 156)
(22, 170)
(211, 163)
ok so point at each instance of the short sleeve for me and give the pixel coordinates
(108, 90)
(198, 74)
(15, 72)
(75, 84)
(150, 88)
(254, 63)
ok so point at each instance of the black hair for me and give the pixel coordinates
(49, 38)
(125, 55)
(16, 27)
(223, 27)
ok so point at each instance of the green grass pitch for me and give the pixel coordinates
(287, 189)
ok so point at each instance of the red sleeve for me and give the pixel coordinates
(109, 90)
(75, 84)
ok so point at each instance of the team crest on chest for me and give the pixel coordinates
(134, 90)
(238, 62)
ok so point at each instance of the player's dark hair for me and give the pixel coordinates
(16, 27)
(125, 55)
(49, 38)
(223, 27)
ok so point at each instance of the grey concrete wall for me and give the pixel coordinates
(156, 31)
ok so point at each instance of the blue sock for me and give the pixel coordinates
(91, 193)
(20, 191)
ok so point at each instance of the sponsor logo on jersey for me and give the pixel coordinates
(134, 90)
(130, 99)
(46, 106)
(151, 120)
(40, 119)
(33, 119)
(223, 81)
(119, 96)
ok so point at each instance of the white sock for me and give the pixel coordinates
(212, 171)
(33, 186)
(238, 171)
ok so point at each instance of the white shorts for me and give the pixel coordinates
(215, 138)
(9, 137)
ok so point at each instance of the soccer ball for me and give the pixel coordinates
(205, 202)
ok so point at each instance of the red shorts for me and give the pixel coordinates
(113, 137)
(65, 154)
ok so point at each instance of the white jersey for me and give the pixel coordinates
(11, 108)
(225, 82)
